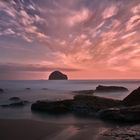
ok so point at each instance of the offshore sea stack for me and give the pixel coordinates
(57, 75)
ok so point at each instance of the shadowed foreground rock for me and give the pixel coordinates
(101, 88)
(57, 75)
(133, 98)
(81, 104)
(130, 112)
(89, 105)
(127, 114)
(53, 107)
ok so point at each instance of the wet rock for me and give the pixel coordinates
(53, 107)
(44, 89)
(16, 103)
(129, 112)
(81, 104)
(1, 90)
(57, 75)
(133, 98)
(5, 105)
(26, 102)
(89, 105)
(14, 99)
(123, 114)
(102, 88)
(111, 114)
(28, 88)
(86, 92)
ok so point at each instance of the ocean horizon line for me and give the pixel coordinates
(69, 80)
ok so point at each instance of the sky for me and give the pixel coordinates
(85, 39)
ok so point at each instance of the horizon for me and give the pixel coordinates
(70, 79)
(87, 40)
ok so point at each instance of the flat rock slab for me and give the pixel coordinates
(102, 88)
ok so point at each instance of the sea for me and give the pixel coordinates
(53, 90)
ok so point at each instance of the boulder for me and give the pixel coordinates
(1, 90)
(57, 75)
(102, 88)
(133, 98)
(52, 107)
(28, 88)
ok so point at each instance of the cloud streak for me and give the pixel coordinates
(31, 68)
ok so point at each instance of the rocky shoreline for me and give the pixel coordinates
(126, 110)
(124, 133)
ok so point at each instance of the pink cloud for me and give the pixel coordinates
(109, 11)
(78, 17)
(136, 9)
(133, 22)
(129, 35)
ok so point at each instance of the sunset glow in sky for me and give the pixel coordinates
(86, 39)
